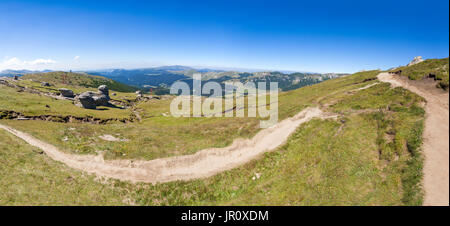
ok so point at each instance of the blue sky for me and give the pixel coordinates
(317, 36)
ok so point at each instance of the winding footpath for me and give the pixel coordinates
(204, 163)
(435, 141)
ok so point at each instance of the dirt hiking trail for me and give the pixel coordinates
(202, 164)
(435, 139)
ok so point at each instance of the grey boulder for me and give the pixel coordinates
(103, 89)
(66, 92)
(101, 99)
(86, 100)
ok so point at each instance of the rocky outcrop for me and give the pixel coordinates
(66, 93)
(91, 100)
(416, 60)
(86, 100)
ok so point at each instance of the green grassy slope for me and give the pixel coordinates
(31, 178)
(35, 105)
(370, 155)
(78, 79)
(153, 137)
(437, 67)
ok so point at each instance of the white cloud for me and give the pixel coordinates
(16, 63)
(11, 61)
(40, 62)
(76, 58)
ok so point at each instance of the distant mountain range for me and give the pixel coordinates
(162, 77)
(9, 72)
(147, 77)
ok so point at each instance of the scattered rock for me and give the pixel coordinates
(45, 84)
(66, 92)
(65, 139)
(38, 151)
(257, 176)
(113, 94)
(369, 79)
(108, 137)
(416, 60)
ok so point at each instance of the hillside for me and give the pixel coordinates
(431, 68)
(79, 79)
(368, 153)
(26, 97)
